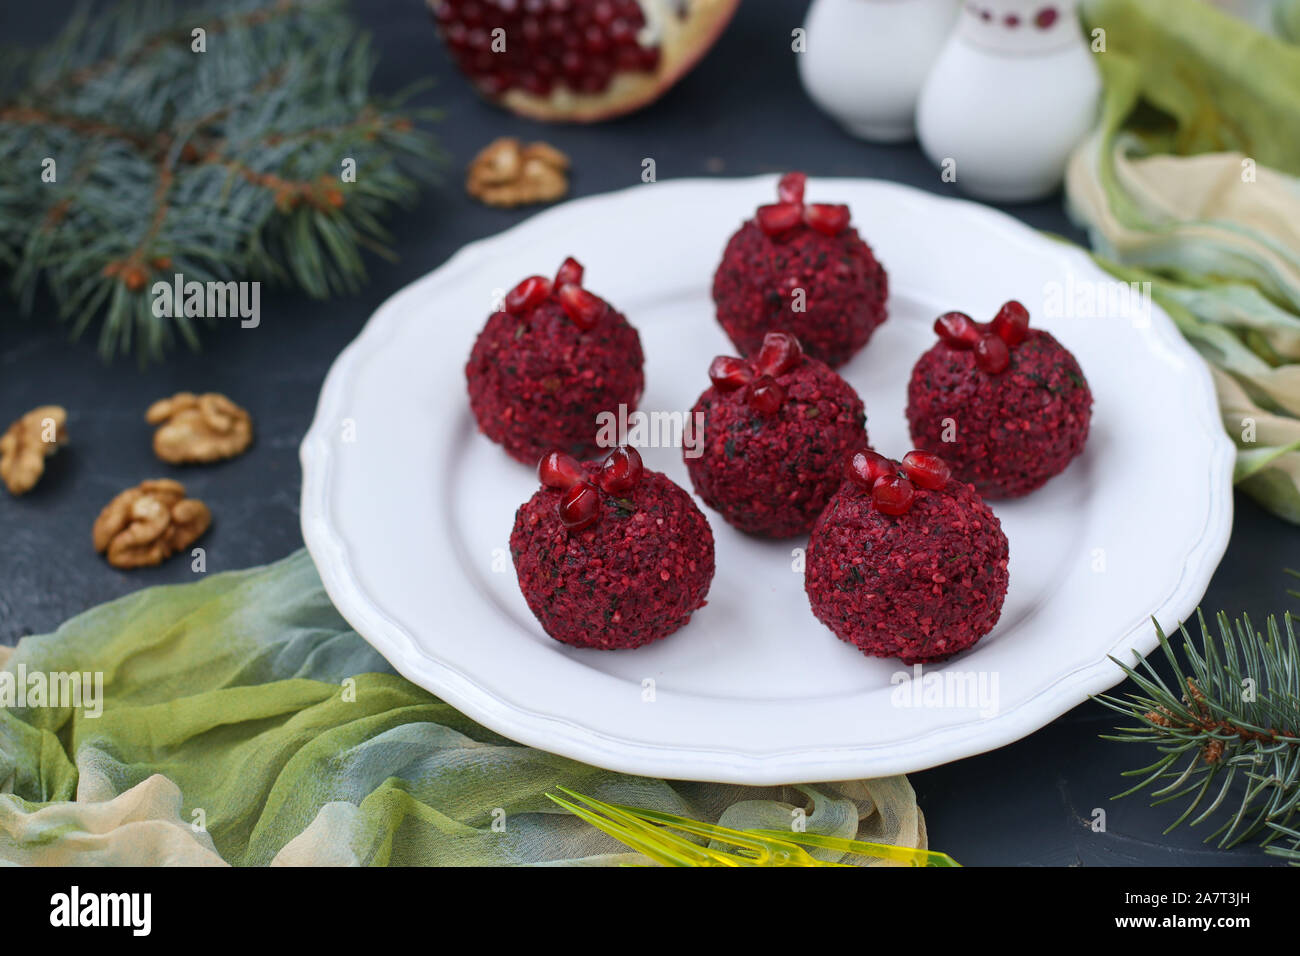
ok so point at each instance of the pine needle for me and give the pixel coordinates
(1228, 729)
(127, 156)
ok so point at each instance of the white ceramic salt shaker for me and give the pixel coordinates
(1008, 99)
(865, 60)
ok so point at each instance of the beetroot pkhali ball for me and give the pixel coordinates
(610, 554)
(906, 561)
(775, 432)
(545, 367)
(800, 269)
(1011, 401)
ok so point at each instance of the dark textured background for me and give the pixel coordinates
(740, 113)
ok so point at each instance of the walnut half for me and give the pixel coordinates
(198, 428)
(26, 445)
(147, 524)
(508, 173)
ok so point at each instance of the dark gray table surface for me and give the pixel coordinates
(741, 112)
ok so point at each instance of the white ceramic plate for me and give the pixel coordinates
(407, 510)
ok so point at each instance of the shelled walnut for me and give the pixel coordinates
(508, 173)
(147, 524)
(26, 445)
(198, 428)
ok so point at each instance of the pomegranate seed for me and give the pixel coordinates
(1012, 323)
(622, 470)
(790, 187)
(765, 396)
(927, 470)
(628, 59)
(558, 470)
(728, 374)
(604, 33)
(581, 306)
(957, 330)
(527, 295)
(594, 40)
(893, 495)
(570, 273)
(865, 468)
(826, 218)
(1046, 17)
(593, 82)
(779, 217)
(992, 355)
(580, 506)
(494, 84)
(780, 353)
(535, 84)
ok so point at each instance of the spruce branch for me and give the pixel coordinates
(1227, 731)
(221, 165)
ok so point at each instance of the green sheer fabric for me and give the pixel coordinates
(1190, 183)
(243, 722)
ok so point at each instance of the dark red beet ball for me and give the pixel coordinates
(772, 474)
(537, 379)
(1010, 431)
(634, 576)
(920, 586)
(843, 290)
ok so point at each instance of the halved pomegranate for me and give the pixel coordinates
(579, 61)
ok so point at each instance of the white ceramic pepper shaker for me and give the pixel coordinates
(1010, 96)
(865, 60)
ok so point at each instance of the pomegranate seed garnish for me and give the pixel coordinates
(927, 470)
(865, 468)
(558, 470)
(826, 218)
(580, 506)
(765, 396)
(570, 273)
(992, 355)
(957, 330)
(728, 374)
(779, 217)
(790, 187)
(1012, 323)
(621, 471)
(893, 495)
(527, 295)
(581, 306)
(780, 353)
